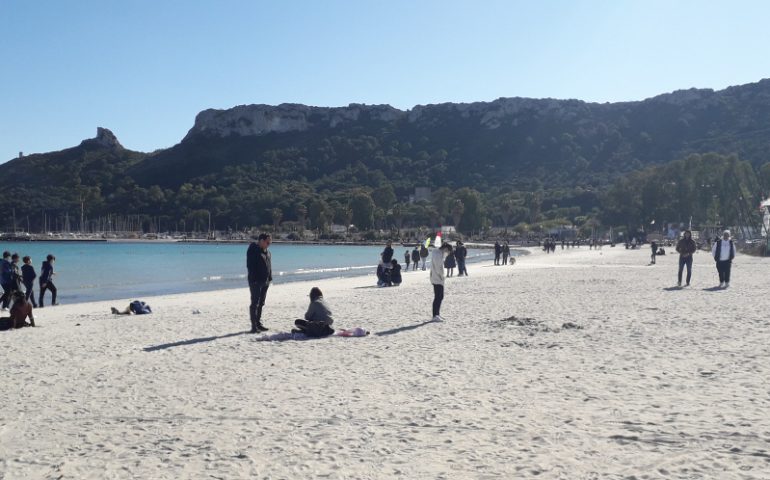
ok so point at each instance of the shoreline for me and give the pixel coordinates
(280, 278)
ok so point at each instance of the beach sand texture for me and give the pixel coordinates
(647, 382)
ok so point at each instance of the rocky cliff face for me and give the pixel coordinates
(104, 139)
(246, 120)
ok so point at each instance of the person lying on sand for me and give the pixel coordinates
(318, 318)
(20, 310)
(136, 307)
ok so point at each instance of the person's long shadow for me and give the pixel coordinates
(713, 289)
(403, 329)
(192, 341)
(673, 289)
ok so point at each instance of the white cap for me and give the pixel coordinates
(726, 232)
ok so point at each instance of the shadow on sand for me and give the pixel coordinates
(192, 341)
(713, 289)
(403, 329)
(673, 289)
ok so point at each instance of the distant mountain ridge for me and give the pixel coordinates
(515, 143)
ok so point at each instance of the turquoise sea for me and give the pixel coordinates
(89, 271)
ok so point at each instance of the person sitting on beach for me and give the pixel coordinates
(395, 273)
(383, 275)
(137, 307)
(318, 318)
(20, 311)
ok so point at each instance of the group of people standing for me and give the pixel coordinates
(318, 318)
(722, 251)
(20, 303)
(502, 251)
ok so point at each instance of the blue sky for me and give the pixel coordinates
(145, 68)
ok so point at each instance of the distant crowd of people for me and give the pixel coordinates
(20, 303)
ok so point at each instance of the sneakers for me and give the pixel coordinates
(726, 285)
(678, 284)
(437, 318)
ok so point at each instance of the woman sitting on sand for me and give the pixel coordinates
(318, 318)
(20, 310)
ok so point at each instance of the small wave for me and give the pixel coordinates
(303, 271)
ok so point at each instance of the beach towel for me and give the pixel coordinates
(283, 336)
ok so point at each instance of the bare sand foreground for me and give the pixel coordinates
(653, 382)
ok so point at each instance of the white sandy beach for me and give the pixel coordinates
(654, 383)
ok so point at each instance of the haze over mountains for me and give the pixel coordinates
(241, 162)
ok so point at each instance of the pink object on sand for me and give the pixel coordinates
(353, 332)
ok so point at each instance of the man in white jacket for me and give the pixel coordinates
(723, 252)
(437, 278)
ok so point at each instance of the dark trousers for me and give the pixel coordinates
(48, 286)
(652, 258)
(685, 261)
(461, 268)
(438, 297)
(723, 267)
(505, 259)
(8, 289)
(258, 295)
(29, 293)
(313, 329)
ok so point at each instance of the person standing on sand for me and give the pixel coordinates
(415, 257)
(437, 278)
(723, 252)
(387, 254)
(460, 253)
(506, 252)
(28, 276)
(46, 280)
(259, 265)
(654, 248)
(498, 251)
(6, 272)
(686, 247)
(407, 257)
(423, 256)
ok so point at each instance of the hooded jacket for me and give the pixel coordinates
(318, 311)
(437, 267)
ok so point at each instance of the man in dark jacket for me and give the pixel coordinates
(6, 272)
(260, 269)
(46, 280)
(387, 254)
(460, 254)
(28, 276)
(415, 257)
(499, 250)
(686, 247)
